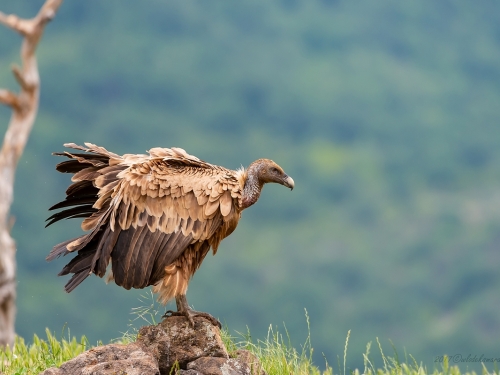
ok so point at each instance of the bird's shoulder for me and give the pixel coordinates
(169, 187)
(174, 172)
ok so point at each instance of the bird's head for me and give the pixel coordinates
(268, 171)
(261, 172)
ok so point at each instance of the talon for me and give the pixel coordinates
(183, 309)
(168, 313)
(210, 318)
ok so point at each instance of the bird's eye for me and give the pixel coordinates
(274, 170)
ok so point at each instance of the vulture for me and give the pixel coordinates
(152, 219)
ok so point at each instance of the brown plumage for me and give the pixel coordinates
(153, 217)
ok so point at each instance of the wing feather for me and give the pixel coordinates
(143, 212)
(172, 249)
(123, 252)
(107, 244)
(142, 269)
(226, 203)
(211, 207)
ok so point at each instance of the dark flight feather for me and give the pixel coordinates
(76, 279)
(82, 188)
(75, 200)
(85, 210)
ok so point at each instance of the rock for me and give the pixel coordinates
(51, 371)
(167, 348)
(113, 359)
(212, 366)
(223, 366)
(251, 360)
(173, 340)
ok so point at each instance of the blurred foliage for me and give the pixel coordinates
(384, 112)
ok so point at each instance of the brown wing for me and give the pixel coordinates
(146, 210)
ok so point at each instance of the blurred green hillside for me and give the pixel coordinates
(386, 114)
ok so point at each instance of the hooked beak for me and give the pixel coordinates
(288, 182)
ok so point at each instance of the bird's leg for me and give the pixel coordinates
(183, 309)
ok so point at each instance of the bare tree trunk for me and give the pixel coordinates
(24, 109)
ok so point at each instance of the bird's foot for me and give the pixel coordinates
(190, 314)
(170, 313)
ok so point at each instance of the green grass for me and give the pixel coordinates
(275, 352)
(28, 359)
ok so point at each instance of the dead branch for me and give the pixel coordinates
(24, 109)
(9, 98)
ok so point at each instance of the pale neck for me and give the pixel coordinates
(252, 188)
